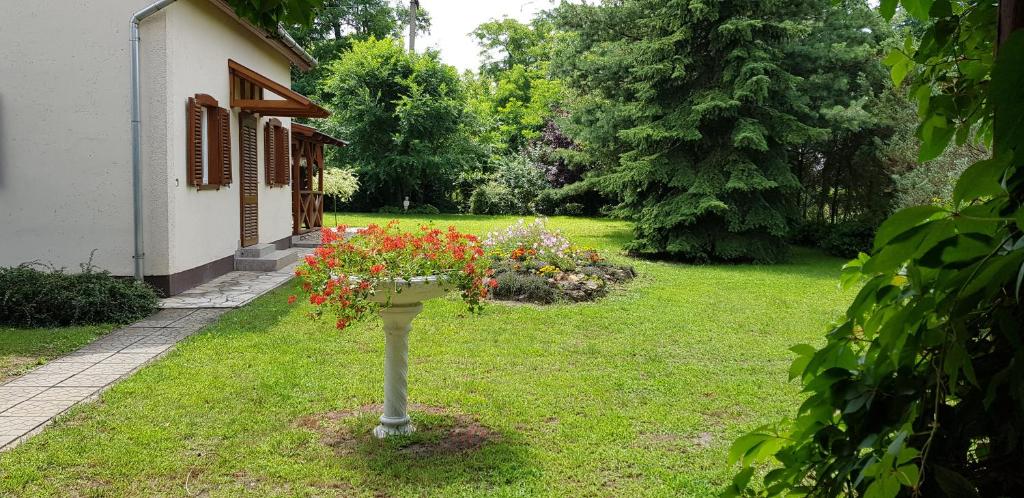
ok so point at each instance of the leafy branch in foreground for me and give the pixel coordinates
(920, 390)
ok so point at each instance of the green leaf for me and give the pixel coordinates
(885, 487)
(753, 447)
(908, 475)
(918, 8)
(887, 8)
(980, 179)
(904, 220)
(1006, 92)
(899, 71)
(934, 139)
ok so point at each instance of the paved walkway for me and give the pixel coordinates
(233, 289)
(30, 402)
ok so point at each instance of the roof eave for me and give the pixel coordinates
(280, 41)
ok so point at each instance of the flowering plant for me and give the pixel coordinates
(343, 273)
(535, 264)
(534, 240)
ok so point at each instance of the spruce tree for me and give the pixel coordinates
(690, 106)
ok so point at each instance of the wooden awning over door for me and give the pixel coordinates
(247, 93)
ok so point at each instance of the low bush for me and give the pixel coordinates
(848, 238)
(424, 209)
(389, 210)
(570, 209)
(582, 198)
(36, 296)
(844, 239)
(524, 287)
(491, 198)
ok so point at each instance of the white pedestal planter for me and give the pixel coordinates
(398, 312)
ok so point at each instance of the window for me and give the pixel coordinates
(276, 145)
(209, 143)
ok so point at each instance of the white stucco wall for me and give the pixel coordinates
(65, 150)
(65, 157)
(204, 225)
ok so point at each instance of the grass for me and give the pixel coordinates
(23, 349)
(638, 394)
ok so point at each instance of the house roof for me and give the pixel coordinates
(280, 41)
(316, 135)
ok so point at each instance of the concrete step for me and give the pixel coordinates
(305, 241)
(273, 261)
(312, 239)
(255, 251)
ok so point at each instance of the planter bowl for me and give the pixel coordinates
(401, 292)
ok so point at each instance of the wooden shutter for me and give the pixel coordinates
(248, 178)
(270, 151)
(218, 142)
(194, 142)
(281, 169)
(223, 145)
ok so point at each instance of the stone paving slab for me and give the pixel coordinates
(233, 289)
(30, 402)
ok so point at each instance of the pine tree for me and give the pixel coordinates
(690, 102)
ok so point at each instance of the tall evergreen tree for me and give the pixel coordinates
(691, 102)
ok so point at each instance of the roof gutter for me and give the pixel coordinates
(136, 106)
(291, 44)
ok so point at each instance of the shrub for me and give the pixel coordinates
(424, 209)
(340, 184)
(547, 202)
(491, 198)
(570, 209)
(848, 238)
(31, 296)
(523, 180)
(585, 195)
(524, 287)
(844, 239)
(389, 210)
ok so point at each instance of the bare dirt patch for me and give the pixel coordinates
(12, 366)
(439, 432)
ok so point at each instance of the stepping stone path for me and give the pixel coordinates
(30, 402)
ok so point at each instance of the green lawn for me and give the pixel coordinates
(638, 394)
(23, 349)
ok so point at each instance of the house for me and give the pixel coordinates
(224, 178)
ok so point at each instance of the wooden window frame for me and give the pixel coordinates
(217, 141)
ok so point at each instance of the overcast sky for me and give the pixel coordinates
(453, 20)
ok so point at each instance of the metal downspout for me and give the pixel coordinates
(137, 211)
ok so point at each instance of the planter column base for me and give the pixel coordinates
(397, 324)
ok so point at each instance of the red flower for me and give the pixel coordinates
(493, 283)
(310, 260)
(291, 299)
(364, 285)
(317, 299)
(376, 269)
(342, 323)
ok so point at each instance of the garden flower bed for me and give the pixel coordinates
(536, 265)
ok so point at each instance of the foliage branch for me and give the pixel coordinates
(919, 391)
